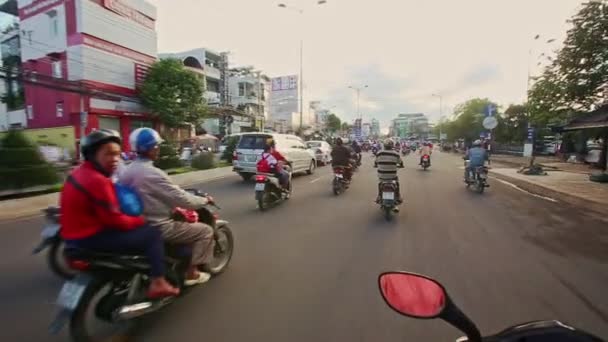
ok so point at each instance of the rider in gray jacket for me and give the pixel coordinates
(160, 197)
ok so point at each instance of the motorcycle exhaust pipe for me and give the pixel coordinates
(137, 310)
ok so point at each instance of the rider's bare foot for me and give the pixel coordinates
(160, 287)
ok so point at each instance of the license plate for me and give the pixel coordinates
(251, 159)
(339, 175)
(70, 294)
(51, 230)
(388, 196)
(483, 176)
(260, 187)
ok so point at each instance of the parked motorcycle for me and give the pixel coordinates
(426, 162)
(268, 190)
(340, 182)
(478, 178)
(55, 245)
(112, 288)
(418, 296)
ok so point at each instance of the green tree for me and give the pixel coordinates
(468, 119)
(577, 78)
(333, 123)
(203, 161)
(173, 93)
(512, 125)
(168, 159)
(22, 165)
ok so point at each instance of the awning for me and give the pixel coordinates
(595, 119)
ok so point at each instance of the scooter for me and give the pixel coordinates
(268, 190)
(55, 245)
(426, 162)
(112, 287)
(340, 183)
(418, 296)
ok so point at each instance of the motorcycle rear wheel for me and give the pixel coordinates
(91, 299)
(57, 262)
(388, 213)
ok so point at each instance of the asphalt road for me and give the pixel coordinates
(307, 270)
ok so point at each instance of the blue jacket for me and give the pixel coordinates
(477, 156)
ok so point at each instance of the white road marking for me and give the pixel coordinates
(524, 191)
(315, 180)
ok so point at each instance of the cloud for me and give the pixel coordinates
(476, 76)
(384, 98)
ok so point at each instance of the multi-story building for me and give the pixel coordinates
(410, 125)
(249, 92)
(375, 130)
(12, 112)
(82, 60)
(211, 66)
(285, 104)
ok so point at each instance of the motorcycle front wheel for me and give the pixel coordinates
(222, 251)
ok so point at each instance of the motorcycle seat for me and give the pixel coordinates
(52, 210)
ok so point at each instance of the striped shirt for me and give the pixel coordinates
(388, 162)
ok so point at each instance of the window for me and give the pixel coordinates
(30, 112)
(253, 142)
(54, 23)
(241, 89)
(213, 86)
(56, 66)
(59, 109)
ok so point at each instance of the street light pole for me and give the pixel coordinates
(440, 114)
(358, 90)
(301, 12)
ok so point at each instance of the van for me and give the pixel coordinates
(251, 145)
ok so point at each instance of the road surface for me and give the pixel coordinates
(307, 270)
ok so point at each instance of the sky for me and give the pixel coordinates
(403, 50)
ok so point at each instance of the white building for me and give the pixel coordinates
(209, 65)
(249, 91)
(13, 114)
(285, 104)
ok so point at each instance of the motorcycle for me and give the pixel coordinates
(418, 296)
(405, 151)
(112, 287)
(340, 183)
(478, 178)
(426, 162)
(52, 241)
(374, 150)
(268, 190)
(388, 200)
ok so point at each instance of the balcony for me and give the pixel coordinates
(212, 98)
(212, 72)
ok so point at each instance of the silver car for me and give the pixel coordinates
(322, 151)
(251, 146)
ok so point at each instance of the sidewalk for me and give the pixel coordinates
(570, 187)
(31, 206)
(545, 161)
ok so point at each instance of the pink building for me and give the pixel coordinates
(101, 47)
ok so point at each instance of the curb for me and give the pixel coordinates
(27, 211)
(579, 202)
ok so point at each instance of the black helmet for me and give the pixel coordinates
(339, 141)
(95, 139)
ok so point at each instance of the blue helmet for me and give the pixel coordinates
(144, 139)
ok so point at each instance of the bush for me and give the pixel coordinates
(22, 165)
(230, 147)
(203, 161)
(169, 159)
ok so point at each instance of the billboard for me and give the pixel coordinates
(284, 98)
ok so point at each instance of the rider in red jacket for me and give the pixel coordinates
(91, 218)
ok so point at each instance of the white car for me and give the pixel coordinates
(322, 151)
(251, 145)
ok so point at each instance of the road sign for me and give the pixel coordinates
(84, 116)
(490, 110)
(531, 132)
(490, 122)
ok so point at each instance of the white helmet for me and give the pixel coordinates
(477, 142)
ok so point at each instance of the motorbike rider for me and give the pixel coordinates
(90, 212)
(476, 156)
(425, 150)
(160, 198)
(357, 149)
(388, 161)
(271, 161)
(340, 157)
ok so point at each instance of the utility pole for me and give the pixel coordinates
(358, 91)
(440, 114)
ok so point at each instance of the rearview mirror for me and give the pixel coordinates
(412, 294)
